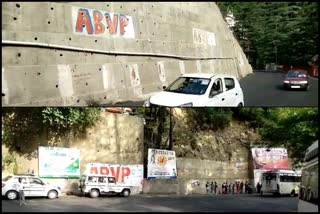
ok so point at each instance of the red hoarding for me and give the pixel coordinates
(273, 158)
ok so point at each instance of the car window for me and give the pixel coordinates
(102, 180)
(189, 85)
(35, 181)
(93, 179)
(229, 83)
(112, 180)
(216, 88)
(296, 74)
(24, 180)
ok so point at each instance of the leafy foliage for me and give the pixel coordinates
(22, 127)
(282, 32)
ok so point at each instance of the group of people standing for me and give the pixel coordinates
(227, 188)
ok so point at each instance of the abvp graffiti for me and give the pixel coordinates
(101, 23)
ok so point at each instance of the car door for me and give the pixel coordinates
(103, 184)
(231, 92)
(216, 94)
(37, 187)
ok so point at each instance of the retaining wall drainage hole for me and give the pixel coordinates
(14, 18)
(57, 86)
(18, 5)
(49, 22)
(51, 8)
(61, 54)
(35, 38)
(19, 54)
(5, 95)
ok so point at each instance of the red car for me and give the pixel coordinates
(296, 79)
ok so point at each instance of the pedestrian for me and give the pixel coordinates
(259, 187)
(246, 187)
(238, 187)
(241, 187)
(207, 187)
(19, 187)
(226, 188)
(211, 187)
(233, 186)
(223, 188)
(229, 188)
(215, 187)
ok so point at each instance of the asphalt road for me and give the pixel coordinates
(157, 203)
(264, 89)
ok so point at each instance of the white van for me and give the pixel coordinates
(96, 185)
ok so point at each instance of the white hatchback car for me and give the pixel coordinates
(33, 186)
(200, 90)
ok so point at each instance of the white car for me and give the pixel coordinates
(200, 90)
(96, 185)
(33, 186)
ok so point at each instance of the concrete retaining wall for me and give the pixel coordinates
(190, 170)
(51, 56)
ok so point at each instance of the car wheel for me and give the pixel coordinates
(125, 193)
(12, 195)
(240, 105)
(94, 193)
(293, 193)
(52, 194)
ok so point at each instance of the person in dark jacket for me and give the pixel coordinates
(208, 187)
(215, 187)
(241, 187)
(211, 187)
(233, 186)
(246, 187)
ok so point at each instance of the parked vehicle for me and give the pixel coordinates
(33, 186)
(96, 185)
(200, 90)
(296, 79)
(281, 182)
(309, 191)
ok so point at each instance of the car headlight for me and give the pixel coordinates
(304, 82)
(186, 105)
(286, 81)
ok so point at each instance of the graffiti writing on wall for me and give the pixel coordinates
(100, 23)
(203, 37)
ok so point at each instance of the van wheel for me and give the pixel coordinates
(12, 195)
(240, 105)
(52, 194)
(94, 193)
(293, 193)
(125, 193)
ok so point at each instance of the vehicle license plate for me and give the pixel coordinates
(295, 86)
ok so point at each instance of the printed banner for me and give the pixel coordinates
(268, 159)
(161, 164)
(101, 23)
(128, 175)
(55, 162)
(203, 37)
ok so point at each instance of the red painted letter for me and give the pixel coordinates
(116, 175)
(104, 170)
(84, 20)
(125, 172)
(112, 24)
(123, 23)
(93, 170)
(98, 26)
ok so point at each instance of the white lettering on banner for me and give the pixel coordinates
(161, 164)
(203, 37)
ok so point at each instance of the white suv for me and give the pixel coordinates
(33, 186)
(200, 90)
(96, 185)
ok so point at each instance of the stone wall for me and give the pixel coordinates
(52, 57)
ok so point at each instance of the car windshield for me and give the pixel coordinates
(6, 178)
(296, 74)
(189, 85)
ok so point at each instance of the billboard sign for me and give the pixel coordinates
(268, 159)
(161, 164)
(56, 162)
(129, 175)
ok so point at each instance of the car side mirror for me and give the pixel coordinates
(164, 87)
